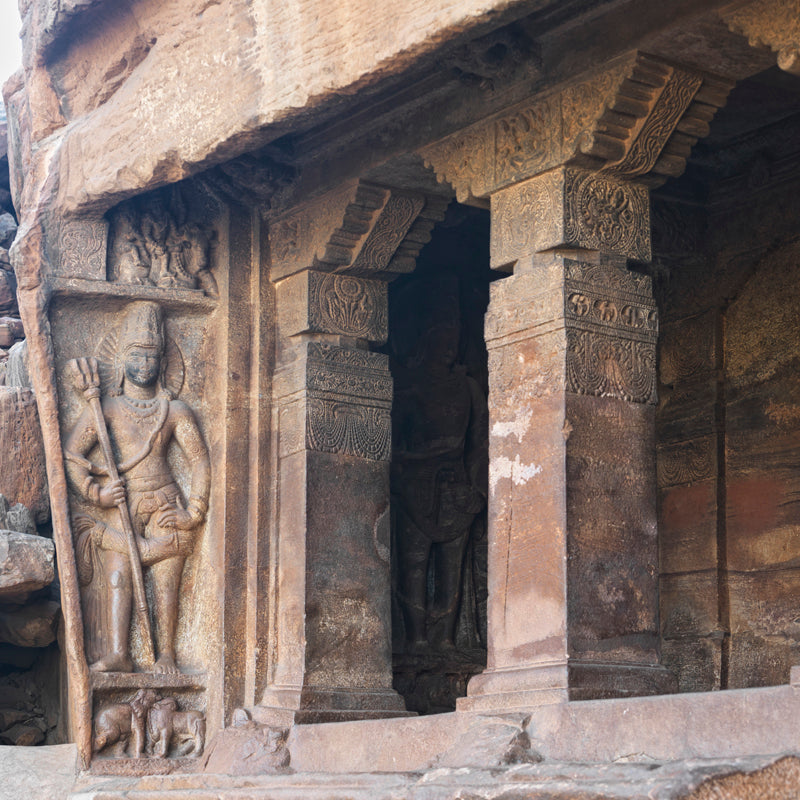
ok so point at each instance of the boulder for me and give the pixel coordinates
(22, 735)
(27, 563)
(33, 625)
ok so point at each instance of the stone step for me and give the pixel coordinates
(729, 780)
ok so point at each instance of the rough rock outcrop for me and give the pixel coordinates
(26, 564)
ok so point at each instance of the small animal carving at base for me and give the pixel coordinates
(122, 724)
(166, 725)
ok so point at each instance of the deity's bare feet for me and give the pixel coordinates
(166, 665)
(113, 662)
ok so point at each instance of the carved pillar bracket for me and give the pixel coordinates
(358, 229)
(638, 118)
(771, 23)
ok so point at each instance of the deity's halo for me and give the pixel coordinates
(109, 365)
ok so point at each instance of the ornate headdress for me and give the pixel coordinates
(142, 326)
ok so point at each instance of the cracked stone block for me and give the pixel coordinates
(27, 564)
(23, 479)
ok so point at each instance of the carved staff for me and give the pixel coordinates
(87, 380)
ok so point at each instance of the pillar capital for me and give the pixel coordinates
(569, 208)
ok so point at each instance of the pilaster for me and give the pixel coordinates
(330, 652)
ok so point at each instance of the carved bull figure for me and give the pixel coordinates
(165, 724)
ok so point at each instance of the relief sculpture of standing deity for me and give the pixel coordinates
(439, 471)
(137, 421)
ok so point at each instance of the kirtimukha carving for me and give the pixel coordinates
(155, 245)
(439, 466)
(135, 424)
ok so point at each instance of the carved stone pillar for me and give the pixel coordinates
(573, 557)
(333, 398)
(330, 642)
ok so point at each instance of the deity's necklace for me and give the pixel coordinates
(140, 411)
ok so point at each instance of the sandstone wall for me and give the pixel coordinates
(152, 91)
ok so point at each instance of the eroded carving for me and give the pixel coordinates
(686, 462)
(148, 725)
(570, 208)
(527, 140)
(120, 727)
(137, 516)
(611, 367)
(609, 216)
(612, 328)
(167, 728)
(659, 125)
(392, 225)
(527, 218)
(640, 117)
(154, 242)
(82, 247)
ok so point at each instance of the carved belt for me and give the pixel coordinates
(145, 503)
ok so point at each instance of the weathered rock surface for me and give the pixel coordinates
(26, 564)
(33, 625)
(489, 744)
(8, 230)
(250, 749)
(41, 773)
(22, 735)
(22, 480)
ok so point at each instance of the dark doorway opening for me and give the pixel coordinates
(440, 464)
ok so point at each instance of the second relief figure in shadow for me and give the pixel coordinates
(135, 513)
(439, 468)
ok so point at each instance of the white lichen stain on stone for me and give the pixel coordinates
(519, 473)
(517, 427)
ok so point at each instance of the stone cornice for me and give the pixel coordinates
(639, 118)
(771, 23)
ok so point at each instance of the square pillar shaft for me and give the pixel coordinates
(573, 557)
(331, 649)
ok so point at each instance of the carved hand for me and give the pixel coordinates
(176, 517)
(112, 494)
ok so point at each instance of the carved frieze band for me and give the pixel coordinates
(774, 23)
(349, 402)
(605, 315)
(638, 117)
(612, 329)
(570, 208)
(359, 229)
(609, 366)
